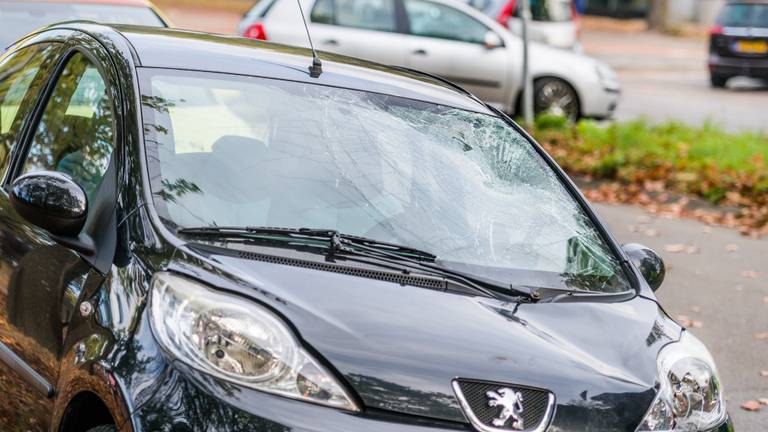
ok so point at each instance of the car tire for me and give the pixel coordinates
(556, 96)
(103, 428)
(718, 81)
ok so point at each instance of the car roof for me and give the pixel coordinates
(101, 2)
(182, 49)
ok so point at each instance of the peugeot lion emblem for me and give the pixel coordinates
(511, 402)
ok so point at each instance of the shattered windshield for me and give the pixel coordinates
(465, 186)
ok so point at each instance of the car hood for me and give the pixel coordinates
(399, 347)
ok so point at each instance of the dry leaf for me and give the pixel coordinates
(697, 324)
(765, 299)
(684, 320)
(763, 335)
(752, 405)
(764, 373)
(763, 401)
(652, 232)
(674, 248)
(695, 308)
(632, 228)
(691, 250)
(732, 248)
(750, 274)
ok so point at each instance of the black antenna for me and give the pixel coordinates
(317, 66)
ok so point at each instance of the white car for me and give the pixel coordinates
(554, 22)
(446, 38)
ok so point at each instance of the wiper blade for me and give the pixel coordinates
(336, 240)
(360, 247)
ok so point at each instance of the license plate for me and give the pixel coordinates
(752, 46)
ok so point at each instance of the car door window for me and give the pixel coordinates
(17, 80)
(75, 132)
(364, 14)
(443, 22)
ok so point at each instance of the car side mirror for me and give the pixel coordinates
(54, 202)
(648, 262)
(492, 40)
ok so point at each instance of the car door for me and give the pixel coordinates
(447, 42)
(367, 29)
(73, 133)
(23, 73)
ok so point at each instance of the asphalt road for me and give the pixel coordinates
(665, 78)
(721, 285)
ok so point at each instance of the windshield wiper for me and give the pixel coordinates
(360, 247)
(336, 240)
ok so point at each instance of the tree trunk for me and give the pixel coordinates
(658, 15)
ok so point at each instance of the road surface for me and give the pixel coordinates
(721, 284)
(665, 77)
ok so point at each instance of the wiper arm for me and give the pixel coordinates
(342, 244)
(336, 240)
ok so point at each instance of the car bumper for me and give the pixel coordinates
(600, 104)
(186, 400)
(732, 66)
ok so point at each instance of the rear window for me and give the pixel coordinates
(744, 15)
(20, 18)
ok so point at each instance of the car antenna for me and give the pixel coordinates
(317, 66)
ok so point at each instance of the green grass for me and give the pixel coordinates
(706, 161)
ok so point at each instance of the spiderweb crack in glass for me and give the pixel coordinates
(462, 185)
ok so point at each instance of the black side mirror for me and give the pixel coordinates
(649, 263)
(55, 203)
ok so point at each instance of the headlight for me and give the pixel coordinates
(690, 397)
(238, 341)
(608, 77)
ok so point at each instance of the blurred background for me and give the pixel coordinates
(657, 108)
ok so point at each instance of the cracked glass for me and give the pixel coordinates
(242, 151)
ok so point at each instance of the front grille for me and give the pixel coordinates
(535, 402)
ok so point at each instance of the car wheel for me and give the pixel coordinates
(557, 97)
(718, 81)
(103, 428)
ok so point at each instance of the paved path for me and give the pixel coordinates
(665, 77)
(711, 286)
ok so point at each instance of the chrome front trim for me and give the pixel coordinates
(480, 426)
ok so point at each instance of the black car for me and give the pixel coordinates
(204, 233)
(739, 42)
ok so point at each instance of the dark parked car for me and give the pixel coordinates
(19, 17)
(202, 233)
(739, 42)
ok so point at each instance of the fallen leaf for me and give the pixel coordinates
(764, 373)
(632, 228)
(763, 401)
(684, 320)
(752, 405)
(691, 250)
(697, 324)
(763, 335)
(674, 248)
(732, 248)
(652, 232)
(765, 299)
(750, 274)
(695, 308)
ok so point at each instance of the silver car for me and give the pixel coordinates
(446, 38)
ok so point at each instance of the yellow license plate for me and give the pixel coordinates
(752, 47)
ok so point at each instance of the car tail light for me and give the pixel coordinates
(506, 13)
(255, 31)
(716, 30)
